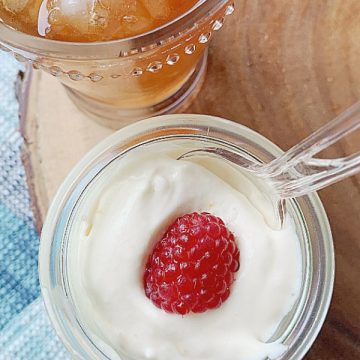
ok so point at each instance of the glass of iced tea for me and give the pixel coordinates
(119, 60)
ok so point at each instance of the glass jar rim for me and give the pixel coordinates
(105, 50)
(175, 125)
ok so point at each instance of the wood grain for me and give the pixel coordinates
(281, 67)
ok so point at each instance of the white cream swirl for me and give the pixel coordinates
(125, 213)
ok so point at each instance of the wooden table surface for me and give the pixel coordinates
(283, 68)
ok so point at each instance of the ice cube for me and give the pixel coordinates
(76, 8)
(158, 9)
(15, 6)
(43, 23)
(135, 17)
(124, 7)
(83, 15)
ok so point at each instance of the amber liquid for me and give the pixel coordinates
(103, 20)
(90, 20)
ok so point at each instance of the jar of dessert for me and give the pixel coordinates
(133, 229)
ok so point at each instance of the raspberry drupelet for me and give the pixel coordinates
(191, 269)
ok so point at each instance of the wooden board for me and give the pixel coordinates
(282, 68)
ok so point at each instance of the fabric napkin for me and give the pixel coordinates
(25, 332)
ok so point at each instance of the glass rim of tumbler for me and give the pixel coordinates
(120, 48)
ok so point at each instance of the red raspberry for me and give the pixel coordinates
(192, 267)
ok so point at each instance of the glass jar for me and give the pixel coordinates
(129, 79)
(300, 327)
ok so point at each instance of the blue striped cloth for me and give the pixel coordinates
(25, 332)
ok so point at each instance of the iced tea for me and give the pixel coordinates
(90, 20)
(140, 79)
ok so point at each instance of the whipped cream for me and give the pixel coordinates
(128, 209)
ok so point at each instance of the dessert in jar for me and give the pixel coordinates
(195, 301)
(144, 256)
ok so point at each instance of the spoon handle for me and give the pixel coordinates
(297, 172)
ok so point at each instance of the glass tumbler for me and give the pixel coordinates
(123, 80)
(298, 329)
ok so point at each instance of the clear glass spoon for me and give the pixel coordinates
(297, 172)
